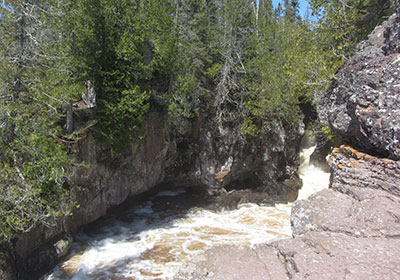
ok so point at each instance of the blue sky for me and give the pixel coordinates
(303, 5)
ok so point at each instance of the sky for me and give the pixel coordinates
(303, 6)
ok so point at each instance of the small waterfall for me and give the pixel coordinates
(152, 240)
(314, 177)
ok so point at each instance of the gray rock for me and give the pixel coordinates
(351, 230)
(324, 255)
(190, 155)
(352, 170)
(373, 216)
(7, 265)
(40, 259)
(363, 105)
(237, 263)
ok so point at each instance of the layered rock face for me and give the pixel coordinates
(351, 230)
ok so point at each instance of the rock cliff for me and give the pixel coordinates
(350, 231)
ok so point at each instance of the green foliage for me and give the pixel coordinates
(327, 133)
(122, 117)
(242, 62)
(35, 85)
(343, 24)
(196, 67)
(249, 128)
(123, 45)
(286, 69)
(182, 104)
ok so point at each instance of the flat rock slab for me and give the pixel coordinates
(376, 215)
(237, 263)
(316, 256)
(312, 256)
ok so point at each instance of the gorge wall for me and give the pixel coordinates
(351, 230)
(189, 153)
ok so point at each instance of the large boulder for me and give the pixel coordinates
(363, 106)
(350, 230)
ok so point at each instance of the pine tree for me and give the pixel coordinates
(237, 27)
(116, 55)
(343, 24)
(197, 64)
(35, 85)
(288, 68)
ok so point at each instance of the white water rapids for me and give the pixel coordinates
(144, 242)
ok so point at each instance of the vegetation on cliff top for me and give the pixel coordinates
(242, 62)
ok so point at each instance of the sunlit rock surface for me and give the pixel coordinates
(363, 105)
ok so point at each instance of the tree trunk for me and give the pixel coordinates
(69, 126)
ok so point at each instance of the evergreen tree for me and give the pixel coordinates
(197, 64)
(237, 28)
(292, 10)
(35, 85)
(288, 68)
(343, 24)
(119, 59)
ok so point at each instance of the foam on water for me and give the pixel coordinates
(314, 178)
(150, 251)
(142, 243)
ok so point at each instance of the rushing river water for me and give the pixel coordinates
(154, 238)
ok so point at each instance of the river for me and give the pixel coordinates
(154, 238)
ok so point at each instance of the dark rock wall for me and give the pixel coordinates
(107, 181)
(268, 162)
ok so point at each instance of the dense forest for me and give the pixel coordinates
(244, 61)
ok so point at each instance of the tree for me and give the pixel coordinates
(197, 64)
(343, 24)
(288, 68)
(236, 28)
(35, 85)
(123, 47)
(291, 9)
